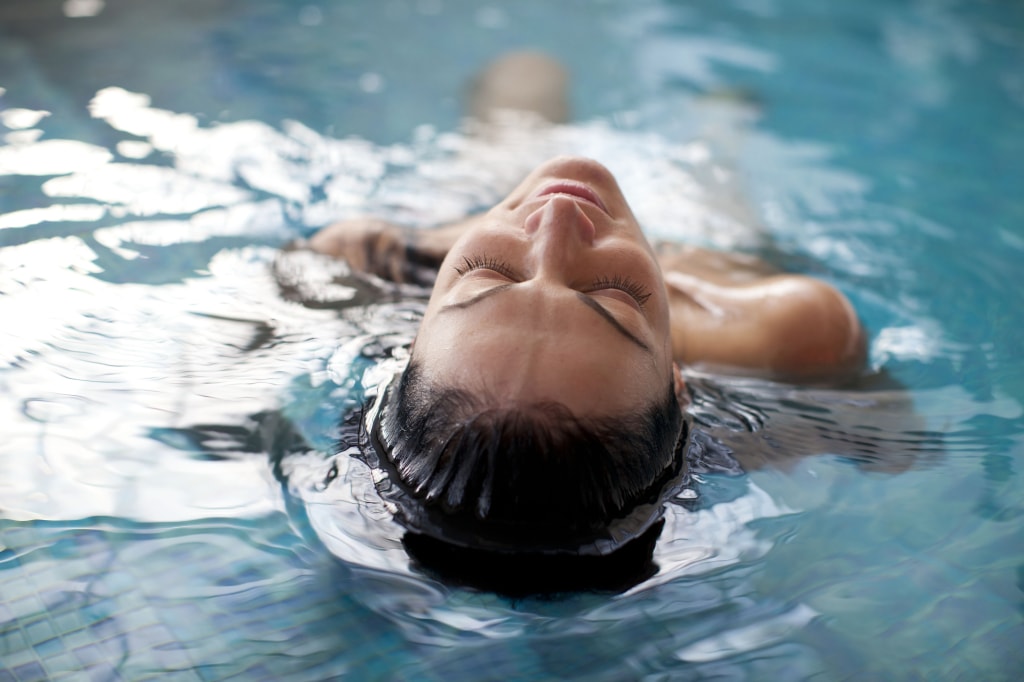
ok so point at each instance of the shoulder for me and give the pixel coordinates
(723, 267)
(787, 326)
(812, 327)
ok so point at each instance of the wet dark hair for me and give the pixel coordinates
(535, 476)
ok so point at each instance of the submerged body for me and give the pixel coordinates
(567, 226)
(542, 406)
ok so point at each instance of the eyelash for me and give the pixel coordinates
(638, 291)
(485, 263)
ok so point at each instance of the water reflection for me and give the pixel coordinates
(161, 378)
(174, 383)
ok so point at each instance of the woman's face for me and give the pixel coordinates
(553, 295)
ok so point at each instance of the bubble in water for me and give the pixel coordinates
(311, 15)
(491, 17)
(76, 9)
(371, 82)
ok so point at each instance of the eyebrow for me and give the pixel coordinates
(587, 300)
(610, 319)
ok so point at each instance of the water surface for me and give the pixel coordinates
(171, 495)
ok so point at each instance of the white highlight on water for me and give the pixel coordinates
(748, 637)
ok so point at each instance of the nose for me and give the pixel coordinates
(559, 231)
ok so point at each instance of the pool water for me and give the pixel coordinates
(173, 501)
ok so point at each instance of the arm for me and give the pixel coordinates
(734, 311)
(380, 248)
(726, 310)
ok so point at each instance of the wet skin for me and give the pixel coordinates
(553, 295)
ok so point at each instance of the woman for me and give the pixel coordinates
(542, 405)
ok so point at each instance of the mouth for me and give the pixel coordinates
(574, 190)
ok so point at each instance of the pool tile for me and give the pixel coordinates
(22, 599)
(89, 655)
(19, 657)
(11, 642)
(61, 664)
(49, 647)
(67, 623)
(30, 672)
(40, 631)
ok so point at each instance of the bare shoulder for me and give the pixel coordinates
(813, 327)
(736, 314)
(721, 266)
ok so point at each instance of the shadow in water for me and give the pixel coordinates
(872, 425)
(739, 425)
(526, 575)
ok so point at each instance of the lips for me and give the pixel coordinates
(575, 190)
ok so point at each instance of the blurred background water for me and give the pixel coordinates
(171, 498)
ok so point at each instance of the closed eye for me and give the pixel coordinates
(469, 264)
(635, 290)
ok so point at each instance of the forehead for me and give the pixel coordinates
(539, 348)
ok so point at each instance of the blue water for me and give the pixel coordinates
(172, 501)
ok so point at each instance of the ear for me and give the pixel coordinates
(680, 384)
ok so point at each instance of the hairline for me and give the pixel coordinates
(487, 400)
